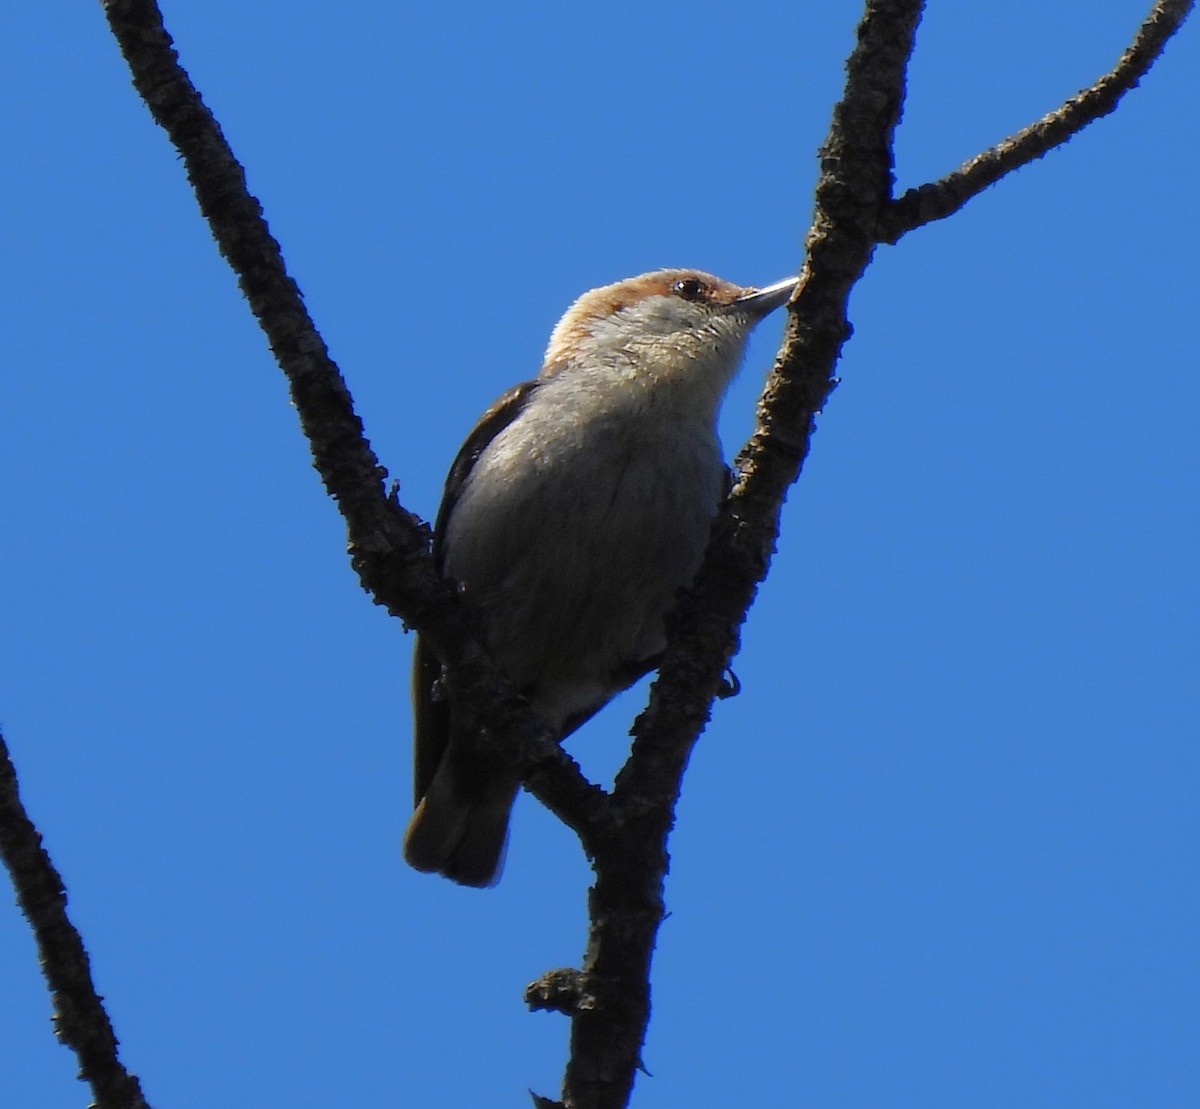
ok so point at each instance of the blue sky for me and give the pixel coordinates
(941, 851)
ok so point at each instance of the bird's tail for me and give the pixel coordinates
(460, 827)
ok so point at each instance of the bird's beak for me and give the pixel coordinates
(759, 302)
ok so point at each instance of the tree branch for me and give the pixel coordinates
(854, 212)
(939, 199)
(580, 804)
(80, 1021)
(389, 546)
(626, 903)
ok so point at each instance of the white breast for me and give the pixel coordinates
(572, 538)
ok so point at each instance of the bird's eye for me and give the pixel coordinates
(690, 288)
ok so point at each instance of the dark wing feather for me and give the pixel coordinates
(431, 715)
(507, 407)
(431, 719)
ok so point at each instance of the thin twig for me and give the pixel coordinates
(939, 199)
(80, 1021)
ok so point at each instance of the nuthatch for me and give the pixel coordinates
(574, 513)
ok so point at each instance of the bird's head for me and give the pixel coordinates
(676, 326)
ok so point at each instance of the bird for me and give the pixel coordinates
(576, 510)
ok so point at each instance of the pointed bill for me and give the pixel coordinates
(760, 302)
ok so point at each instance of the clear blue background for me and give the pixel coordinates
(942, 851)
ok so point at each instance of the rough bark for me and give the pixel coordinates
(80, 1021)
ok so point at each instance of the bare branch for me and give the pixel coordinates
(386, 542)
(561, 786)
(939, 199)
(80, 1020)
(854, 212)
(389, 546)
(626, 903)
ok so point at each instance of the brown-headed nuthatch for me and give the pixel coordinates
(574, 513)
